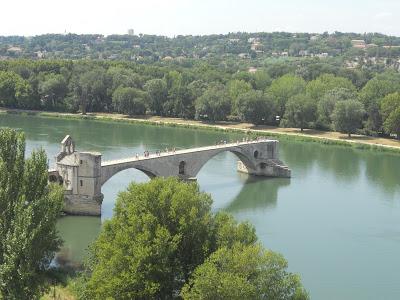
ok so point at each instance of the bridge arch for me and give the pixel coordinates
(244, 156)
(109, 171)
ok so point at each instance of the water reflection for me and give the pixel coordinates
(257, 193)
(343, 164)
(77, 233)
(383, 171)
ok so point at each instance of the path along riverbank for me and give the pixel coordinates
(325, 137)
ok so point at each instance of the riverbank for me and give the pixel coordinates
(325, 137)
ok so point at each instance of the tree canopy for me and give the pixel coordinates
(210, 90)
(347, 116)
(390, 109)
(300, 111)
(243, 272)
(161, 232)
(29, 208)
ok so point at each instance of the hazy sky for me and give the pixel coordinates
(173, 17)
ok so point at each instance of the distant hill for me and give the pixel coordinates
(246, 46)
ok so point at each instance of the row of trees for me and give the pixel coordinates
(309, 96)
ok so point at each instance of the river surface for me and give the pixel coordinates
(336, 221)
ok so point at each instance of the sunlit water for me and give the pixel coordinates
(337, 220)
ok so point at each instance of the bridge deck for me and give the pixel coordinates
(182, 151)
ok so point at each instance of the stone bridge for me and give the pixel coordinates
(83, 173)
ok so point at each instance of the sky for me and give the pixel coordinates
(197, 17)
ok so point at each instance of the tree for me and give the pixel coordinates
(283, 88)
(214, 104)
(90, 90)
(347, 116)
(372, 94)
(243, 272)
(261, 80)
(14, 90)
(235, 89)
(317, 88)
(160, 232)
(389, 103)
(129, 101)
(180, 103)
(53, 90)
(255, 107)
(390, 107)
(157, 236)
(392, 123)
(158, 93)
(326, 105)
(300, 111)
(125, 77)
(29, 208)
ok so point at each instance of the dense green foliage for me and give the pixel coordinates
(210, 90)
(390, 108)
(129, 101)
(219, 46)
(347, 116)
(28, 213)
(243, 272)
(160, 233)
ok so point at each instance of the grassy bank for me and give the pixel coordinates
(291, 134)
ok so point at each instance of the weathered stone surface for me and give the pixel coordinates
(83, 173)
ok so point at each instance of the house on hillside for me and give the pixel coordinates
(257, 47)
(244, 55)
(14, 49)
(322, 55)
(314, 38)
(359, 44)
(303, 53)
(253, 40)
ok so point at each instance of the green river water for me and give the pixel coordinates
(336, 221)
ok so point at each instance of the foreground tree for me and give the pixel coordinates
(244, 272)
(28, 213)
(347, 116)
(160, 233)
